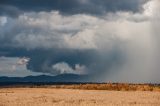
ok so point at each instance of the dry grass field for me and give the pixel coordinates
(50, 96)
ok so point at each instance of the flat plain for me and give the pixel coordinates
(76, 97)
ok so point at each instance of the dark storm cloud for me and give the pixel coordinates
(15, 7)
(44, 60)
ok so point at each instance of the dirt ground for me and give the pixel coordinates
(71, 97)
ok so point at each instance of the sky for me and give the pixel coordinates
(108, 40)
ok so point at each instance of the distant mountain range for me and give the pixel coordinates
(46, 78)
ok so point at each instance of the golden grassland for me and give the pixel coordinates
(48, 96)
(86, 94)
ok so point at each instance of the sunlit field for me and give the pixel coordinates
(81, 94)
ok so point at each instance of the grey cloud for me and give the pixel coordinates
(36, 29)
(53, 30)
(16, 7)
(9, 10)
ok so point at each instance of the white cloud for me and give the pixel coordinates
(9, 67)
(3, 20)
(63, 68)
